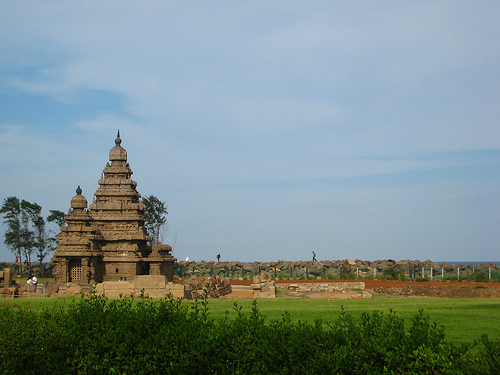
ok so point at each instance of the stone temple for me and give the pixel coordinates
(108, 240)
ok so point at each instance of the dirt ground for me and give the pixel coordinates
(396, 288)
(436, 289)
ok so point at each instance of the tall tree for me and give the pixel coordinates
(26, 231)
(11, 210)
(156, 217)
(32, 216)
(20, 216)
(45, 241)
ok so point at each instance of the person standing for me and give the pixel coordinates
(218, 258)
(314, 256)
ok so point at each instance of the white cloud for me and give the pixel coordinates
(282, 100)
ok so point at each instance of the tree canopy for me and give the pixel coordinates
(57, 217)
(156, 217)
(26, 230)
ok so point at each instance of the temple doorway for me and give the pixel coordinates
(75, 270)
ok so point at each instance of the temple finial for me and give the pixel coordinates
(79, 190)
(118, 139)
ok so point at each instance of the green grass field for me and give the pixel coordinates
(465, 319)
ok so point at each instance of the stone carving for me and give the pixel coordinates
(218, 286)
(109, 240)
(193, 288)
(215, 287)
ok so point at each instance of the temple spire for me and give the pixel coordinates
(118, 153)
(118, 140)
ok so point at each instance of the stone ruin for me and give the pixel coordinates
(263, 287)
(149, 286)
(6, 288)
(108, 241)
(216, 286)
(6, 277)
(9, 288)
(298, 289)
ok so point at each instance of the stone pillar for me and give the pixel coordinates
(92, 271)
(64, 270)
(85, 270)
(7, 277)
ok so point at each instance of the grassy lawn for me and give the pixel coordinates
(465, 319)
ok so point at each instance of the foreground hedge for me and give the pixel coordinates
(97, 336)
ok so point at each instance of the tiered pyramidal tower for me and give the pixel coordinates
(109, 240)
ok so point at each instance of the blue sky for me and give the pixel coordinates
(359, 130)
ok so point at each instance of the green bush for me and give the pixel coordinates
(479, 276)
(392, 273)
(99, 336)
(422, 279)
(346, 273)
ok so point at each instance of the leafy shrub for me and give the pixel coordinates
(480, 276)
(422, 279)
(392, 273)
(346, 273)
(99, 336)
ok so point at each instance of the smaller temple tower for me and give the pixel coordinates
(109, 241)
(75, 259)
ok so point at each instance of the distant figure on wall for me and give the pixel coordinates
(218, 258)
(314, 256)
